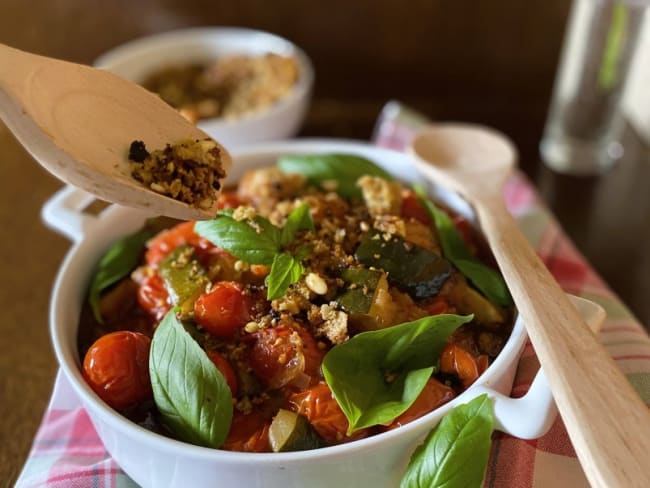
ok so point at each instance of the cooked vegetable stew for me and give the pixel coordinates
(309, 312)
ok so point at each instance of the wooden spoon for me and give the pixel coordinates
(78, 123)
(608, 423)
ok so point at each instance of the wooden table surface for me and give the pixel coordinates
(493, 64)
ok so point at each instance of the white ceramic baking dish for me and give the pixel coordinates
(155, 461)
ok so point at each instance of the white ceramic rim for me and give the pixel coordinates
(209, 36)
(70, 363)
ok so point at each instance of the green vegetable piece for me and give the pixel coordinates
(255, 243)
(285, 271)
(191, 394)
(115, 264)
(376, 376)
(184, 277)
(292, 432)
(488, 281)
(343, 169)
(456, 452)
(418, 271)
(358, 300)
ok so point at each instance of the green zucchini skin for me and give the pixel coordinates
(418, 271)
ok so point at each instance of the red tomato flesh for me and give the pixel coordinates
(224, 309)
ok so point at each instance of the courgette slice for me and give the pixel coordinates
(185, 278)
(362, 283)
(418, 271)
(292, 432)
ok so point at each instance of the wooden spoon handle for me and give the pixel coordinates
(607, 421)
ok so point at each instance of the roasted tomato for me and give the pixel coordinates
(324, 414)
(456, 360)
(228, 199)
(280, 355)
(431, 397)
(225, 369)
(153, 296)
(170, 239)
(412, 209)
(117, 368)
(224, 309)
(248, 433)
(438, 306)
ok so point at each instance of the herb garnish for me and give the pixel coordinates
(116, 263)
(486, 279)
(357, 370)
(258, 241)
(191, 394)
(341, 169)
(456, 451)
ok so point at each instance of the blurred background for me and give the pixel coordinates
(482, 61)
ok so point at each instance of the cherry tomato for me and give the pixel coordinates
(168, 240)
(456, 360)
(117, 368)
(224, 309)
(431, 397)
(411, 208)
(312, 353)
(225, 369)
(228, 199)
(248, 433)
(153, 296)
(276, 356)
(324, 414)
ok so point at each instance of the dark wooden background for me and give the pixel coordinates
(486, 61)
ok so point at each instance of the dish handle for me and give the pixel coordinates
(532, 415)
(64, 212)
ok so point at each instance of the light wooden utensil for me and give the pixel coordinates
(78, 123)
(607, 421)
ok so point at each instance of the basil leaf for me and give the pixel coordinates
(241, 239)
(344, 169)
(376, 376)
(116, 263)
(456, 452)
(285, 271)
(488, 281)
(191, 394)
(299, 219)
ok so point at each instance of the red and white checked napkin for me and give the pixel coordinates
(67, 452)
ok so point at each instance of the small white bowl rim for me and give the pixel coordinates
(510, 353)
(300, 90)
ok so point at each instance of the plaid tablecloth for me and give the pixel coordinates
(67, 452)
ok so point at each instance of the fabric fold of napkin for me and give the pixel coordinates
(68, 453)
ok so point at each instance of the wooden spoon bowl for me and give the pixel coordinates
(78, 123)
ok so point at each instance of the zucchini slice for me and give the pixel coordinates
(292, 432)
(184, 277)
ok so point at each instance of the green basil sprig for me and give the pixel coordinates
(260, 242)
(344, 169)
(486, 279)
(116, 263)
(191, 394)
(376, 376)
(456, 452)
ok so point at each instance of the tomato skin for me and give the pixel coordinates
(319, 406)
(248, 433)
(456, 360)
(168, 240)
(228, 199)
(224, 309)
(433, 395)
(438, 306)
(225, 369)
(117, 368)
(276, 357)
(153, 296)
(412, 209)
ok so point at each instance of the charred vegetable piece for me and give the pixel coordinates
(292, 432)
(359, 296)
(184, 277)
(467, 300)
(421, 273)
